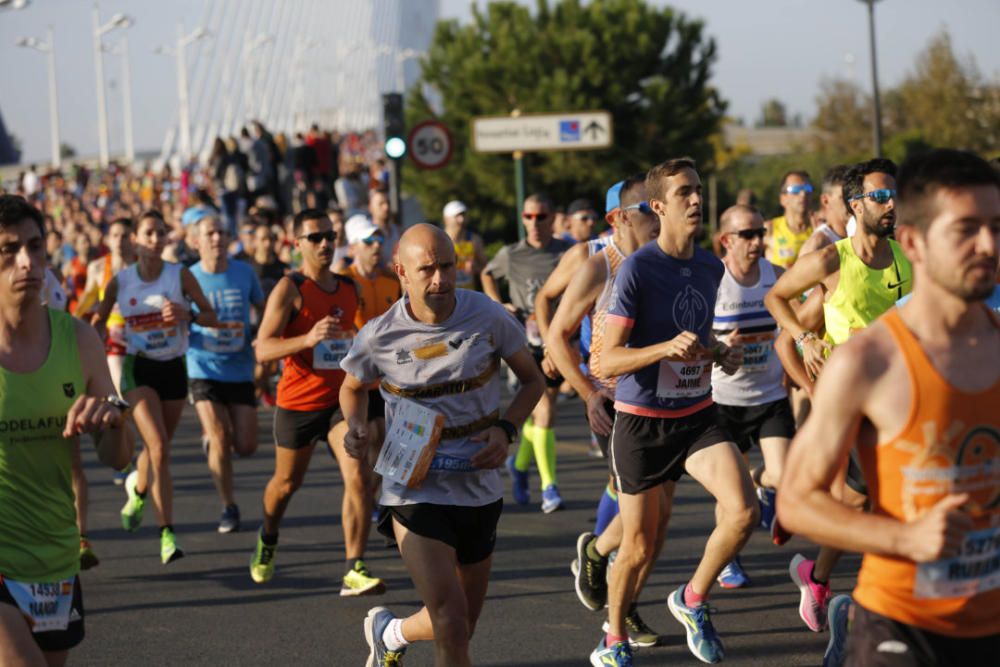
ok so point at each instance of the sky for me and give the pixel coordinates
(766, 49)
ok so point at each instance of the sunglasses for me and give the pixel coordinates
(643, 207)
(373, 239)
(881, 196)
(797, 189)
(748, 234)
(318, 237)
(534, 216)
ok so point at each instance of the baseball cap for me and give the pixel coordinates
(613, 199)
(453, 208)
(358, 228)
(578, 205)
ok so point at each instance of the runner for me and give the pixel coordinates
(589, 293)
(786, 233)
(269, 269)
(525, 266)
(658, 342)
(468, 244)
(752, 404)
(918, 393)
(834, 210)
(309, 322)
(55, 386)
(440, 348)
(153, 297)
(220, 362)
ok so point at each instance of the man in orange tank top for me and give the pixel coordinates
(309, 322)
(917, 394)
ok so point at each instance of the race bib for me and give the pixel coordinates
(47, 606)
(155, 340)
(228, 337)
(975, 570)
(411, 440)
(684, 379)
(757, 350)
(328, 353)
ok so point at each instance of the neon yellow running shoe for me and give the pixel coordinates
(359, 581)
(169, 549)
(132, 511)
(262, 563)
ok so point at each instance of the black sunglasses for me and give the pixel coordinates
(318, 237)
(748, 234)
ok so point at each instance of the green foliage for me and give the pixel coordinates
(649, 67)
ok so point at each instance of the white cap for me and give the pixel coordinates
(358, 228)
(453, 208)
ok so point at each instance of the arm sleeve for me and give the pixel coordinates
(498, 267)
(624, 297)
(359, 361)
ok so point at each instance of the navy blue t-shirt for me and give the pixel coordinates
(658, 297)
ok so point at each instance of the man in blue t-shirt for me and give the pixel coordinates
(220, 362)
(658, 341)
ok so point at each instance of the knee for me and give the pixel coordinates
(159, 455)
(742, 519)
(636, 550)
(451, 625)
(284, 487)
(245, 448)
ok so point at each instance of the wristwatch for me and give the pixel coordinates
(508, 428)
(118, 402)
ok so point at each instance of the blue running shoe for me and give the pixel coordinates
(519, 483)
(617, 655)
(733, 576)
(378, 654)
(766, 500)
(838, 614)
(551, 500)
(701, 637)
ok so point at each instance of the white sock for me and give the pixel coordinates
(393, 635)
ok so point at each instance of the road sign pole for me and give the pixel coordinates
(396, 190)
(519, 191)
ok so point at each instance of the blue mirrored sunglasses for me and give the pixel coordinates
(643, 207)
(881, 196)
(798, 189)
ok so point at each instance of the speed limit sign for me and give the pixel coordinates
(430, 145)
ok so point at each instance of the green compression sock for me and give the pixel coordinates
(545, 454)
(522, 461)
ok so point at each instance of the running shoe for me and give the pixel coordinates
(88, 558)
(766, 499)
(733, 575)
(519, 483)
(359, 581)
(230, 520)
(839, 614)
(813, 597)
(132, 511)
(702, 641)
(118, 476)
(640, 635)
(169, 549)
(262, 563)
(618, 654)
(551, 500)
(378, 654)
(591, 579)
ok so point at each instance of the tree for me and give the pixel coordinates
(773, 114)
(649, 67)
(844, 117)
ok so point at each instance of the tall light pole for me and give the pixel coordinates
(49, 49)
(117, 21)
(401, 57)
(122, 51)
(877, 122)
(184, 104)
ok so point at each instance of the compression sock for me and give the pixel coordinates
(545, 455)
(522, 460)
(607, 510)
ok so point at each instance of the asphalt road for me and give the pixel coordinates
(205, 610)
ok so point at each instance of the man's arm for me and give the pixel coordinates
(618, 359)
(192, 288)
(479, 259)
(495, 269)
(556, 284)
(278, 311)
(810, 315)
(354, 406)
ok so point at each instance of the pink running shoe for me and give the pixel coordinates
(814, 597)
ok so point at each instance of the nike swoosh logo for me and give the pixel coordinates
(895, 285)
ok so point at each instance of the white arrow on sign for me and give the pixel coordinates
(584, 130)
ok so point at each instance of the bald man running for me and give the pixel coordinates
(439, 347)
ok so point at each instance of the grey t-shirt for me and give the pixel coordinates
(412, 355)
(526, 269)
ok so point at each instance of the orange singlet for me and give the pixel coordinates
(950, 444)
(377, 294)
(308, 382)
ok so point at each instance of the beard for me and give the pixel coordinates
(873, 225)
(954, 283)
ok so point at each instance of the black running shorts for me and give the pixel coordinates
(167, 378)
(750, 424)
(648, 451)
(879, 641)
(296, 429)
(57, 640)
(226, 393)
(470, 531)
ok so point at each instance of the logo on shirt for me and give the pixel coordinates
(403, 357)
(457, 343)
(69, 389)
(690, 310)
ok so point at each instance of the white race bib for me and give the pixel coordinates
(328, 353)
(411, 439)
(975, 570)
(47, 605)
(757, 351)
(228, 337)
(155, 340)
(684, 379)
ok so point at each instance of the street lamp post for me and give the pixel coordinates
(877, 122)
(401, 57)
(117, 21)
(184, 105)
(122, 51)
(49, 49)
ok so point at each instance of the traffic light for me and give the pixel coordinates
(395, 127)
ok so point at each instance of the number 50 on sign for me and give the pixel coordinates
(430, 145)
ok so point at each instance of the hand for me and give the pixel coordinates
(685, 346)
(495, 452)
(814, 353)
(175, 313)
(729, 358)
(939, 532)
(600, 420)
(90, 414)
(356, 440)
(328, 327)
(549, 367)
